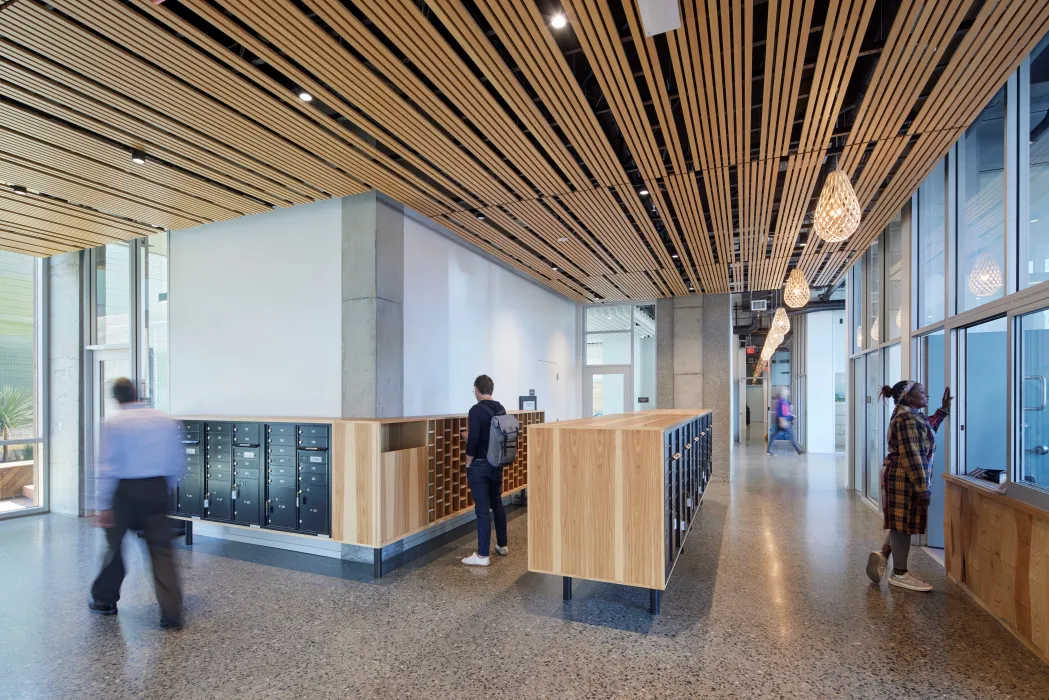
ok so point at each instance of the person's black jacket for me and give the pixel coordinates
(479, 427)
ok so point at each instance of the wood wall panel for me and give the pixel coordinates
(998, 549)
(404, 493)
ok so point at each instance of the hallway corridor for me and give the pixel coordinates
(769, 601)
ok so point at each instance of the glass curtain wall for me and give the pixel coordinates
(23, 475)
(620, 345)
(980, 221)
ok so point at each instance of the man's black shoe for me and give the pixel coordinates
(102, 608)
(172, 624)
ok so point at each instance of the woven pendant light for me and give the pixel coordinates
(875, 333)
(986, 277)
(796, 293)
(780, 322)
(838, 213)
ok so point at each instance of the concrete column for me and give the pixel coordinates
(63, 449)
(664, 353)
(688, 352)
(717, 340)
(372, 307)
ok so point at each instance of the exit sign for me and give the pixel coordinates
(752, 349)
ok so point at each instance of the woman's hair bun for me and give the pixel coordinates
(886, 392)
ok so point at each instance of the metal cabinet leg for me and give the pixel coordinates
(377, 563)
(566, 588)
(189, 531)
(653, 601)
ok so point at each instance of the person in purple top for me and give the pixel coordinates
(138, 463)
(782, 422)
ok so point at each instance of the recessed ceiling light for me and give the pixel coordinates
(802, 245)
(559, 21)
(554, 268)
(305, 96)
(643, 193)
(138, 156)
(563, 239)
(480, 217)
(674, 255)
(1034, 221)
(19, 189)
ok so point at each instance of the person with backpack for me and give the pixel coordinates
(491, 444)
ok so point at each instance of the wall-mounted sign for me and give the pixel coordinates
(642, 399)
(528, 403)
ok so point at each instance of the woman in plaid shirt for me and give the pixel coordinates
(905, 479)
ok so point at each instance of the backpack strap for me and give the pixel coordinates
(491, 410)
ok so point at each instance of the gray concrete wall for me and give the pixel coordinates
(372, 308)
(688, 352)
(694, 363)
(717, 342)
(64, 484)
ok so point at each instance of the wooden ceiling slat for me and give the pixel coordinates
(460, 109)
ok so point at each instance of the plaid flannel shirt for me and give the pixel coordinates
(907, 470)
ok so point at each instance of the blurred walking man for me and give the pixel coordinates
(138, 464)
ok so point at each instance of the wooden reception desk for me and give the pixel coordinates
(387, 478)
(612, 498)
(997, 548)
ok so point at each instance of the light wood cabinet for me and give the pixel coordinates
(613, 498)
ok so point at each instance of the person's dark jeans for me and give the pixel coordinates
(141, 504)
(486, 486)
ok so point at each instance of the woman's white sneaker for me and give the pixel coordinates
(909, 582)
(876, 566)
(476, 560)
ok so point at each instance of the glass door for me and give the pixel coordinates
(106, 367)
(608, 390)
(874, 433)
(1033, 416)
(931, 349)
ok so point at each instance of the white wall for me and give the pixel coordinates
(819, 381)
(465, 316)
(256, 309)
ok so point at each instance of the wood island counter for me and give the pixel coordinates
(612, 498)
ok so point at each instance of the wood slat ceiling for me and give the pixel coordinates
(532, 143)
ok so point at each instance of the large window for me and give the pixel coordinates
(931, 220)
(984, 355)
(981, 208)
(112, 288)
(156, 351)
(1034, 224)
(1034, 421)
(894, 279)
(621, 358)
(21, 463)
(874, 310)
(856, 308)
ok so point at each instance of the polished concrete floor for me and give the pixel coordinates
(769, 601)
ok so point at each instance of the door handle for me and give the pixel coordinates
(1040, 378)
(1040, 450)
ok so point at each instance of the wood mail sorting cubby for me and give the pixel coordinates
(448, 491)
(613, 498)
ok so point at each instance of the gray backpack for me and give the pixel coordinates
(502, 438)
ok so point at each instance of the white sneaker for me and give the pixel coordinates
(502, 550)
(876, 566)
(909, 582)
(476, 560)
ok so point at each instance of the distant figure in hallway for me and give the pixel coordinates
(906, 479)
(138, 464)
(783, 419)
(748, 424)
(485, 479)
